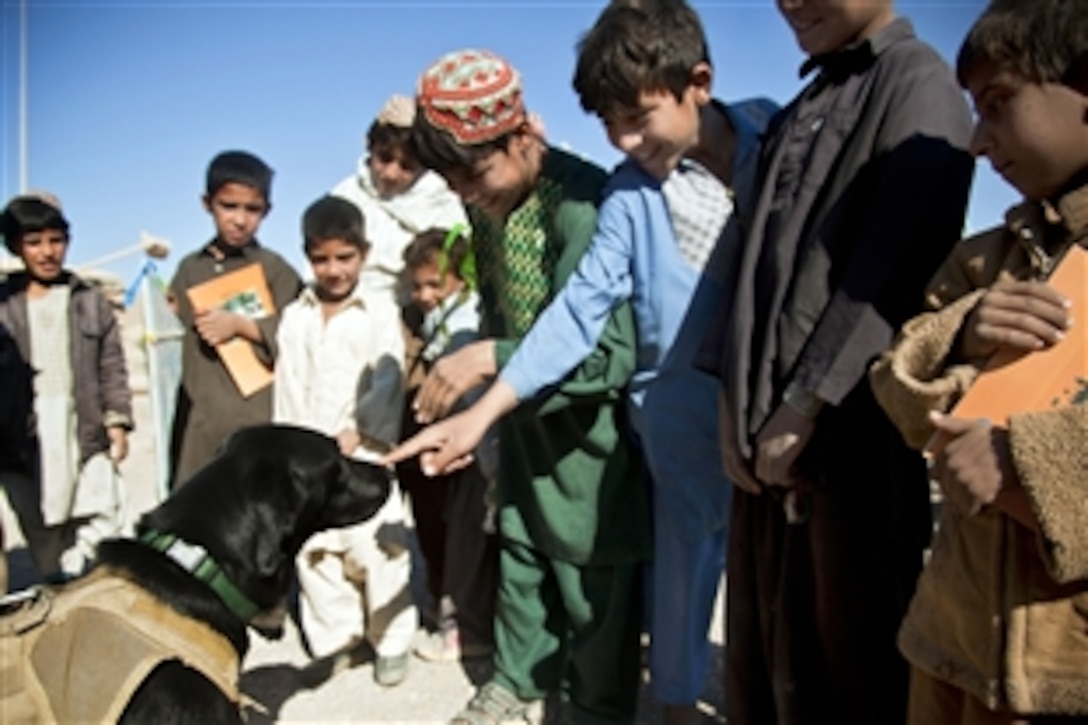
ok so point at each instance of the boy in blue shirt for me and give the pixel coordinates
(665, 237)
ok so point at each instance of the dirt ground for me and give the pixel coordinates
(286, 687)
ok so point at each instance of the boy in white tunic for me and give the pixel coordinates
(397, 196)
(340, 372)
(65, 426)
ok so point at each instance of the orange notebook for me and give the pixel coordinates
(243, 291)
(1028, 382)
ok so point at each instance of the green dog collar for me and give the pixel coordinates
(195, 559)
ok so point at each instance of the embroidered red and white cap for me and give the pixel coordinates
(474, 95)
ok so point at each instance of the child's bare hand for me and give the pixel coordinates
(778, 445)
(444, 447)
(453, 376)
(118, 443)
(973, 464)
(216, 326)
(1024, 315)
(348, 440)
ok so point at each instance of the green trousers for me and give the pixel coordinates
(569, 628)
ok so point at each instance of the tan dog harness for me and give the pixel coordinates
(78, 653)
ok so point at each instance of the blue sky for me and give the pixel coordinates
(130, 100)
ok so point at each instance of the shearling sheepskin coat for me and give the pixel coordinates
(1001, 611)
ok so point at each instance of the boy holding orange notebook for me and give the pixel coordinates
(210, 404)
(995, 632)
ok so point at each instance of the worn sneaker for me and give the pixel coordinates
(493, 703)
(390, 671)
(445, 646)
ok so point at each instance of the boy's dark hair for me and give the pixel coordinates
(429, 246)
(1044, 41)
(239, 167)
(439, 151)
(385, 138)
(331, 217)
(637, 46)
(28, 214)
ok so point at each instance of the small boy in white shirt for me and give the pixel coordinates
(340, 372)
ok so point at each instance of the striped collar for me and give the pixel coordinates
(195, 559)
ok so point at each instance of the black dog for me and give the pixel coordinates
(250, 509)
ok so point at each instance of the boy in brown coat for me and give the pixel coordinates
(996, 630)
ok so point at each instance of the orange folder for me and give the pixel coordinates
(1028, 382)
(243, 291)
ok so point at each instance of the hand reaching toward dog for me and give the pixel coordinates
(444, 447)
(348, 440)
(451, 377)
(447, 446)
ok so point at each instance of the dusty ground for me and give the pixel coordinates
(279, 675)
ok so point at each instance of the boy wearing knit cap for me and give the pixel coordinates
(666, 232)
(573, 514)
(397, 196)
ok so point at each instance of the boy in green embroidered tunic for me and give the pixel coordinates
(573, 508)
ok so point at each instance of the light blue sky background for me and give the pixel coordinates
(130, 100)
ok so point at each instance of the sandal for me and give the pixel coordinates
(493, 705)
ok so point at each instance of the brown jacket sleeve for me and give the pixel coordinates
(914, 376)
(112, 371)
(1050, 453)
(918, 374)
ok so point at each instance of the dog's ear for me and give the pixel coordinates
(268, 554)
(280, 520)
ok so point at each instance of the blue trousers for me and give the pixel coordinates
(681, 584)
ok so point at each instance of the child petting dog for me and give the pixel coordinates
(340, 373)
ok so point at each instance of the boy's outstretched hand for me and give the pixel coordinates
(1023, 315)
(444, 447)
(451, 377)
(447, 446)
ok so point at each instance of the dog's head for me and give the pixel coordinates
(267, 490)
